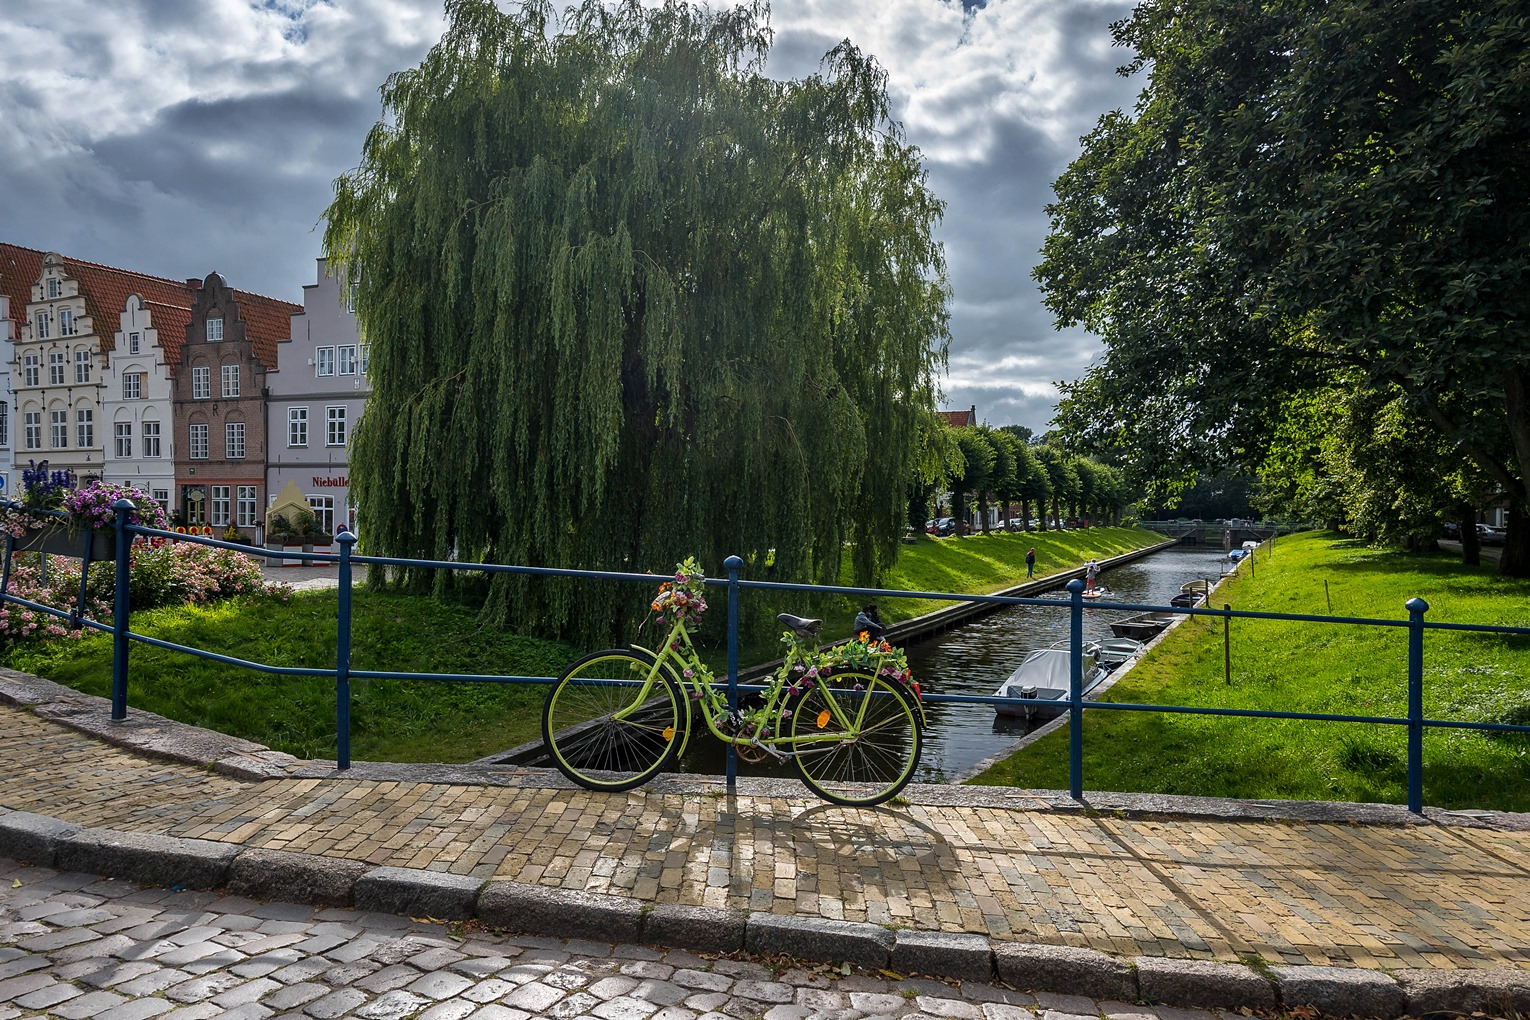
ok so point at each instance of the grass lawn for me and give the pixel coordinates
(1283, 665)
(395, 720)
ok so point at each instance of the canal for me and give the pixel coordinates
(977, 656)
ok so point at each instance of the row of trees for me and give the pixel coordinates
(998, 466)
(1305, 250)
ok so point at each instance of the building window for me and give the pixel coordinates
(5, 423)
(32, 422)
(132, 386)
(52, 287)
(199, 442)
(334, 426)
(324, 360)
(297, 426)
(231, 380)
(151, 445)
(60, 423)
(233, 440)
(82, 361)
(85, 427)
(244, 508)
(366, 358)
(41, 329)
(323, 508)
(220, 505)
(162, 497)
(201, 383)
(32, 370)
(133, 349)
(65, 322)
(124, 439)
(56, 361)
(347, 358)
(214, 330)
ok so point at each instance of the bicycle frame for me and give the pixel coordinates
(677, 655)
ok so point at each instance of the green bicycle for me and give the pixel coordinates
(849, 720)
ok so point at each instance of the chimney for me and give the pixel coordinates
(193, 283)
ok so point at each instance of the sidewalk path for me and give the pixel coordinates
(1024, 866)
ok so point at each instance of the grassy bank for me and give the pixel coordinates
(453, 722)
(1279, 665)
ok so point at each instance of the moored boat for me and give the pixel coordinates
(1143, 626)
(1113, 652)
(1039, 686)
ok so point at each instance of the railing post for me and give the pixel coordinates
(343, 657)
(733, 565)
(1076, 691)
(1416, 608)
(120, 602)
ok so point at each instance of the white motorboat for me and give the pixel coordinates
(1039, 686)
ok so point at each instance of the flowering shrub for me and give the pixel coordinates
(91, 506)
(160, 573)
(42, 489)
(684, 598)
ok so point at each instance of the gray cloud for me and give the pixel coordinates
(193, 135)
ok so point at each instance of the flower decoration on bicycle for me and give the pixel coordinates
(848, 719)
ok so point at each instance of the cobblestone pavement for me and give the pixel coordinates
(74, 946)
(1002, 864)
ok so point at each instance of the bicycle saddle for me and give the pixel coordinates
(800, 624)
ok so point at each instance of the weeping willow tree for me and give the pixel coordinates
(629, 299)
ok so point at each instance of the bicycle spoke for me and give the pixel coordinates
(596, 734)
(872, 760)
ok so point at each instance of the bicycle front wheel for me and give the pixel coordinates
(855, 747)
(603, 732)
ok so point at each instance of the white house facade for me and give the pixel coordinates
(315, 399)
(137, 397)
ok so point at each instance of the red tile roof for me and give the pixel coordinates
(958, 419)
(267, 322)
(105, 289)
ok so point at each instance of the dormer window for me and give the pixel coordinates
(132, 343)
(215, 330)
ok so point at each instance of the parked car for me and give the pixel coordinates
(941, 527)
(1451, 529)
(1489, 535)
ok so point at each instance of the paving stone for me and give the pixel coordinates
(625, 1008)
(387, 979)
(452, 1009)
(87, 1005)
(392, 1006)
(137, 1009)
(703, 980)
(15, 987)
(336, 1003)
(22, 964)
(47, 996)
(152, 982)
(498, 1012)
(489, 990)
(293, 996)
(250, 991)
(440, 985)
(764, 991)
(204, 987)
(480, 967)
(116, 973)
(535, 998)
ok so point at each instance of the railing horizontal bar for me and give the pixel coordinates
(230, 660)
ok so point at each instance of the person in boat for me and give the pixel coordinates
(869, 622)
(1091, 574)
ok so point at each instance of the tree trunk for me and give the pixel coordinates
(1471, 549)
(1515, 561)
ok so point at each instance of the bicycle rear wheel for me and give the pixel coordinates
(594, 748)
(877, 761)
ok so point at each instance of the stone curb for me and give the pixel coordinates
(167, 861)
(414, 892)
(1065, 970)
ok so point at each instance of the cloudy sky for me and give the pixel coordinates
(178, 137)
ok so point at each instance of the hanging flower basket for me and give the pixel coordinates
(63, 540)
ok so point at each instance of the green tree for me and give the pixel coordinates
(1306, 189)
(629, 299)
(978, 458)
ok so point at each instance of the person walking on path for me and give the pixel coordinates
(1030, 563)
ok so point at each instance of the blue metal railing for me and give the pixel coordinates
(343, 674)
